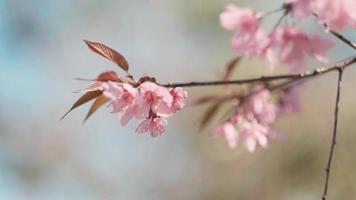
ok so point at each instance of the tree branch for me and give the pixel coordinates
(308, 74)
(333, 142)
(342, 38)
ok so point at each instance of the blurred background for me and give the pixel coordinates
(42, 52)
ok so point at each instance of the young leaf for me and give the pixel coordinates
(210, 113)
(229, 69)
(100, 101)
(108, 76)
(108, 53)
(82, 100)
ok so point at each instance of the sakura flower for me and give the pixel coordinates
(241, 19)
(155, 126)
(121, 96)
(179, 96)
(289, 100)
(253, 133)
(294, 45)
(301, 8)
(336, 14)
(261, 106)
(229, 132)
(155, 98)
(253, 121)
(249, 38)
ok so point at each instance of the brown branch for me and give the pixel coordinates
(338, 35)
(342, 38)
(308, 74)
(333, 142)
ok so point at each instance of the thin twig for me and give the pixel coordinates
(333, 142)
(308, 74)
(342, 38)
(338, 35)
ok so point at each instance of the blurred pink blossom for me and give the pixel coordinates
(252, 122)
(229, 132)
(294, 45)
(336, 14)
(301, 8)
(155, 126)
(249, 38)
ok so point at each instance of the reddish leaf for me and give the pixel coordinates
(210, 113)
(108, 76)
(82, 100)
(230, 67)
(100, 101)
(108, 53)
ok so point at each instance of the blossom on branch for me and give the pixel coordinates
(249, 39)
(335, 14)
(294, 45)
(252, 121)
(142, 99)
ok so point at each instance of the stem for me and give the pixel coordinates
(308, 74)
(342, 38)
(333, 142)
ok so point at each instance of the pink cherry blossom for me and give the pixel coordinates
(336, 14)
(240, 19)
(121, 96)
(253, 133)
(229, 132)
(155, 126)
(153, 98)
(295, 45)
(261, 106)
(179, 96)
(289, 100)
(253, 121)
(249, 38)
(301, 8)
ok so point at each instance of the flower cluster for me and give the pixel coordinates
(291, 44)
(252, 121)
(335, 14)
(148, 101)
(254, 118)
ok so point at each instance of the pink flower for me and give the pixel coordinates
(249, 38)
(229, 132)
(301, 8)
(253, 133)
(121, 96)
(263, 109)
(179, 96)
(253, 121)
(154, 125)
(239, 19)
(336, 14)
(153, 98)
(294, 45)
(289, 100)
